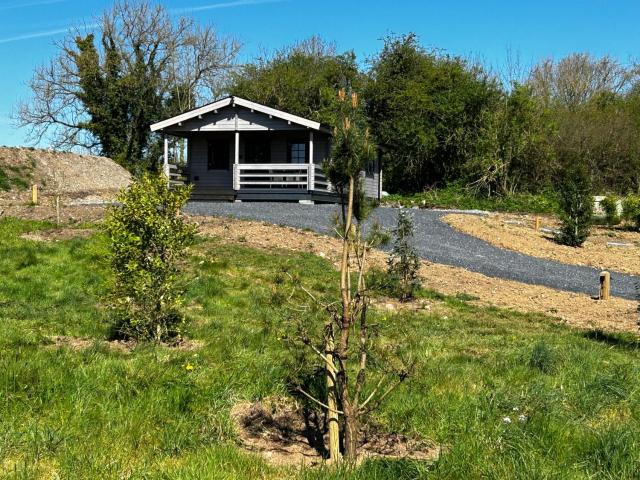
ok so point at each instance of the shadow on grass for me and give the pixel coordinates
(628, 341)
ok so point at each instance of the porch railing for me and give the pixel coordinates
(281, 176)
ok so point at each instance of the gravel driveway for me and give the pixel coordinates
(438, 242)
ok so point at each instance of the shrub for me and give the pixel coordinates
(403, 263)
(631, 210)
(576, 207)
(610, 206)
(147, 238)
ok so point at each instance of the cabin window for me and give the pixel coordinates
(297, 152)
(257, 151)
(218, 155)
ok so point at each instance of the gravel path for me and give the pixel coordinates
(438, 242)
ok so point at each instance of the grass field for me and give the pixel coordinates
(101, 413)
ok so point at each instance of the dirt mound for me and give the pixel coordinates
(68, 174)
(287, 434)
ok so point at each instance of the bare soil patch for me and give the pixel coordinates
(45, 211)
(286, 434)
(58, 234)
(577, 310)
(606, 248)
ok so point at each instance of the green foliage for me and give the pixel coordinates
(15, 176)
(576, 206)
(404, 262)
(514, 153)
(302, 79)
(468, 199)
(578, 419)
(631, 210)
(610, 206)
(351, 147)
(427, 110)
(5, 184)
(147, 238)
(543, 358)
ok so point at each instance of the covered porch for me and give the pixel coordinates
(244, 151)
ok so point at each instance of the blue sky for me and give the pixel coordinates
(481, 29)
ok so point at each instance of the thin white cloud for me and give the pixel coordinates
(44, 33)
(197, 8)
(215, 6)
(35, 3)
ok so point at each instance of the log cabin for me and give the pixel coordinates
(239, 150)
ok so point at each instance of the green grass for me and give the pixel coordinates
(13, 176)
(460, 198)
(99, 413)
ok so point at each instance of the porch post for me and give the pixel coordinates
(311, 179)
(165, 161)
(236, 162)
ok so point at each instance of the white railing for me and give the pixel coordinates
(302, 176)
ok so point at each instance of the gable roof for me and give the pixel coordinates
(233, 101)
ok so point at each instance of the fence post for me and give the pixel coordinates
(537, 223)
(605, 285)
(34, 194)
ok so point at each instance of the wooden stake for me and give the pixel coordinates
(537, 223)
(58, 210)
(605, 285)
(34, 194)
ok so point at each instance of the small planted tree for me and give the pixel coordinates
(348, 338)
(609, 205)
(403, 263)
(576, 207)
(147, 239)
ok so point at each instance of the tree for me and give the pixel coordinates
(102, 92)
(147, 238)
(515, 146)
(347, 362)
(404, 262)
(301, 79)
(579, 77)
(576, 205)
(427, 109)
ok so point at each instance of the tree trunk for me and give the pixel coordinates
(350, 432)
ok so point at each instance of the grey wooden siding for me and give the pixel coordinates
(371, 184)
(197, 161)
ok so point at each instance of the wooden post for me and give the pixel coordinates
(236, 160)
(605, 285)
(311, 175)
(34, 194)
(537, 223)
(332, 402)
(57, 210)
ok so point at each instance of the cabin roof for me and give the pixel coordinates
(233, 101)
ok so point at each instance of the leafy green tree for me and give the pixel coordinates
(301, 79)
(427, 109)
(514, 152)
(576, 205)
(102, 92)
(404, 263)
(147, 239)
